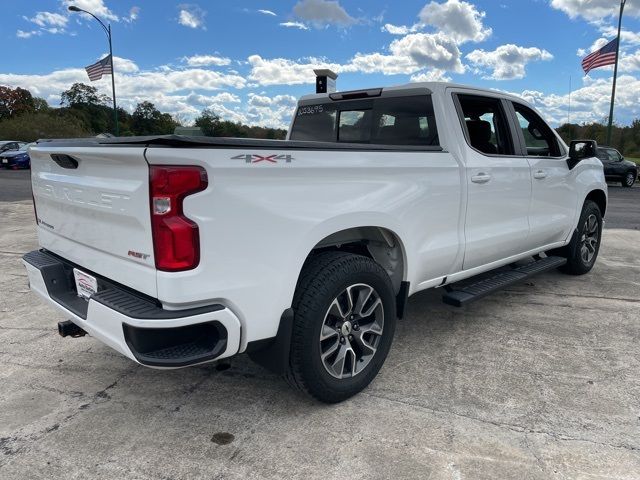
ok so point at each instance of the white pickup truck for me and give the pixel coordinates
(177, 251)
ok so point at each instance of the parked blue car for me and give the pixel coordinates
(16, 159)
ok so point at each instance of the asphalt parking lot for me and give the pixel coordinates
(539, 381)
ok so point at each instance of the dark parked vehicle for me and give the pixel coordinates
(8, 145)
(16, 158)
(616, 167)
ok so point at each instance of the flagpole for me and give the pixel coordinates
(107, 30)
(113, 85)
(615, 74)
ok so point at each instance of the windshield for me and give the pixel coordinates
(382, 121)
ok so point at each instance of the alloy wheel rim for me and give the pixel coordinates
(351, 331)
(589, 240)
(630, 179)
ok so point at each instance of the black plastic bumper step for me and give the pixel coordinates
(482, 288)
(58, 278)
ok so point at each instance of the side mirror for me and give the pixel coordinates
(579, 150)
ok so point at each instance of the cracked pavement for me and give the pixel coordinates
(539, 381)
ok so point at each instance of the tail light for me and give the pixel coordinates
(176, 239)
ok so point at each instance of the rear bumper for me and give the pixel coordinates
(133, 324)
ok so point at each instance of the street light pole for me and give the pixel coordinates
(113, 84)
(107, 31)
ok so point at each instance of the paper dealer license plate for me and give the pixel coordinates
(86, 285)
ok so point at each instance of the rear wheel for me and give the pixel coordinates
(583, 250)
(629, 179)
(344, 324)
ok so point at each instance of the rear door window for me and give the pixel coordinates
(315, 123)
(408, 120)
(486, 125)
(355, 126)
(405, 121)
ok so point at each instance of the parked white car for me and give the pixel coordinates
(177, 251)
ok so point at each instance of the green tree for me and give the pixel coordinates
(15, 101)
(40, 105)
(33, 126)
(212, 126)
(148, 120)
(208, 122)
(81, 94)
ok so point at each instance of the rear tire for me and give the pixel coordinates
(629, 179)
(345, 316)
(583, 250)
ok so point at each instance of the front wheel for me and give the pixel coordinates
(629, 179)
(585, 243)
(344, 323)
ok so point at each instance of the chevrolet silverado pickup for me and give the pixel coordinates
(177, 251)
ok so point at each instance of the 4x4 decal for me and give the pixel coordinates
(254, 158)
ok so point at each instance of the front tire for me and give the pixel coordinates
(345, 316)
(629, 179)
(583, 250)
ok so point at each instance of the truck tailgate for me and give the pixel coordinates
(92, 205)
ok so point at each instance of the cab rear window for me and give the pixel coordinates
(383, 121)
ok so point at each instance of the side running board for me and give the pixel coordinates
(482, 288)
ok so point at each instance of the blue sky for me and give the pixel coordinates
(249, 60)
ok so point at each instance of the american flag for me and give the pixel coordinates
(100, 68)
(605, 56)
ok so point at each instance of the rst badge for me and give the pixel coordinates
(255, 158)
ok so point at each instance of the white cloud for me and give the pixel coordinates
(458, 19)
(399, 29)
(597, 45)
(164, 87)
(97, 7)
(407, 55)
(298, 25)
(610, 31)
(205, 101)
(594, 10)
(49, 19)
(267, 12)
(381, 63)
(282, 71)
(589, 103)
(507, 61)
(134, 13)
(124, 65)
(429, 50)
(629, 62)
(270, 111)
(29, 34)
(191, 15)
(410, 54)
(323, 12)
(430, 76)
(206, 60)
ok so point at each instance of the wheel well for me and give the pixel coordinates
(379, 244)
(600, 199)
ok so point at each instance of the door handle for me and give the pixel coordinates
(540, 174)
(481, 178)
